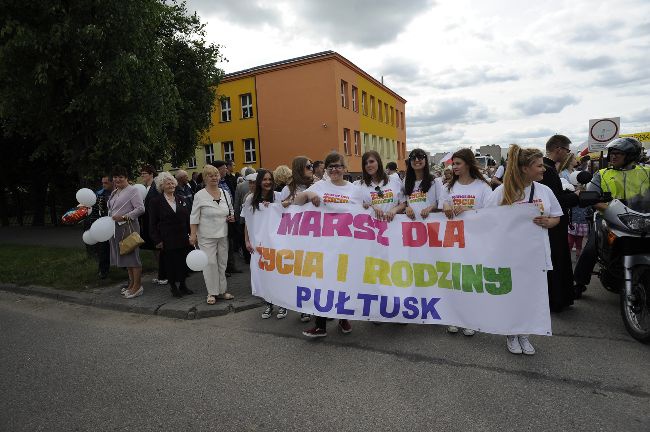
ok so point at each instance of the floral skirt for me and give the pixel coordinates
(579, 229)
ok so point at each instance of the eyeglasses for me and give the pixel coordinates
(309, 166)
(333, 167)
(417, 157)
(380, 193)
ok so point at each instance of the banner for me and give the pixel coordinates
(484, 270)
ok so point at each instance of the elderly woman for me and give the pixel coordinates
(282, 176)
(124, 206)
(169, 228)
(211, 212)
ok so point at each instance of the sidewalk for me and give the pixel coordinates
(156, 300)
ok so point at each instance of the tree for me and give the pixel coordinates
(94, 83)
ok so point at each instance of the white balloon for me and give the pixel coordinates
(102, 229)
(573, 178)
(141, 189)
(86, 197)
(197, 260)
(88, 238)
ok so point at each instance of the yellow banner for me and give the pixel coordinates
(641, 136)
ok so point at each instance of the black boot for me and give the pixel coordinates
(184, 289)
(175, 292)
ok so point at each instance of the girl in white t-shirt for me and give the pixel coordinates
(331, 193)
(383, 192)
(520, 185)
(418, 188)
(263, 195)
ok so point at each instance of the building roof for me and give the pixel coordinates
(299, 61)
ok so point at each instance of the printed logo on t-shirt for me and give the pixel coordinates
(537, 201)
(335, 198)
(385, 198)
(464, 200)
(418, 196)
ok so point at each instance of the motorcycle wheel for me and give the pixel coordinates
(636, 311)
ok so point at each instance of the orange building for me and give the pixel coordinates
(309, 106)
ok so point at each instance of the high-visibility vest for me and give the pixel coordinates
(625, 184)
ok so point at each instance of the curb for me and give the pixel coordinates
(86, 299)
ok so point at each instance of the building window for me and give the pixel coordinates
(357, 139)
(386, 112)
(225, 110)
(355, 97)
(364, 103)
(392, 116)
(366, 142)
(381, 113)
(228, 151)
(374, 142)
(192, 162)
(402, 122)
(373, 114)
(344, 94)
(209, 153)
(246, 105)
(249, 150)
(397, 117)
(346, 141)
(382, 150)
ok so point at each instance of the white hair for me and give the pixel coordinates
(180, 173)
(160, 180)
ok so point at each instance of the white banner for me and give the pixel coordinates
(485, 270)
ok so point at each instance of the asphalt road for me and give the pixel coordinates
(68, 367)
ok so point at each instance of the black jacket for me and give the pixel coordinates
(169, 226)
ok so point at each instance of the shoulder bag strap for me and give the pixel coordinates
(532, 192)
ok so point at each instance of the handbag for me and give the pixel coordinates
(129, 243)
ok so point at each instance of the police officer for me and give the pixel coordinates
(624, 179)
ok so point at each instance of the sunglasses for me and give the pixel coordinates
(333, 167)
(417, 157)
(309, 166)
(380, 193)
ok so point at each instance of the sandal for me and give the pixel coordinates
(211, 300)
(227, 296)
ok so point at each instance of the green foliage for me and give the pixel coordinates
(93, 83)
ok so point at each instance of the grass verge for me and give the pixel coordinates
(56, 267)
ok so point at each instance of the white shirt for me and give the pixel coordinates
(543, 198)
(500, 172)
(391, 193)
(247, 207)
(418, 199)
(330, 194)
(209, 215)
(473, 195)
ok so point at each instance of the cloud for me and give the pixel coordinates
(607, 32)
(641, 116)
(527, 134)
(632, 74)
(367, 23)
(402, 70)
(589, 63)
(545, 104)
(450, 111)
(472, 76)
(244, 12)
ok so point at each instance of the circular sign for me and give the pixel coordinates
(604, 130)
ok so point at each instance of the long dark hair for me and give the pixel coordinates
(381, 174)
(409, 180)
(298, 167)
(257, 195)
(467, 156)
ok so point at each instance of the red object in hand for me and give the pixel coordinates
(75, 215)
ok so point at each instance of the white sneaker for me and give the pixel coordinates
(138, 293)
(268, 311)
(469, 332)
(162, 281)
(282, 313)
(513, 344)
(305, 317)
(154, 280)
(452, 329)
(526, 347)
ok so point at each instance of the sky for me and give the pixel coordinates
(472, 72)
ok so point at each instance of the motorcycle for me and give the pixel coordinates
(623, 244)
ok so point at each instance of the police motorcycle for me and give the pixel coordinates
(623, 245)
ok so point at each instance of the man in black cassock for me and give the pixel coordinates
(560, 280)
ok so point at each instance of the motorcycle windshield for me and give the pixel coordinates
(640, 202)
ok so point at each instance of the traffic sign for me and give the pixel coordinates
(602, 131)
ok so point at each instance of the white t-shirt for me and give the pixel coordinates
(543, 197)
(390, 196)
(284, 194)
(330, 194)
(247, 208)
(419, 199)
(500, 172)
(473, 195)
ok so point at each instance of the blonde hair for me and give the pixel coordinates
(209, 169)
(282, 175)
(513, 180)
(160, 180)
(568, 162)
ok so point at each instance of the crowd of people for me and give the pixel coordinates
(209, 211)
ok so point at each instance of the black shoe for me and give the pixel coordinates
(185, 290)
(175, 291)
(578, 289)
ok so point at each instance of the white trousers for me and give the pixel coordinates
(215, 273)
